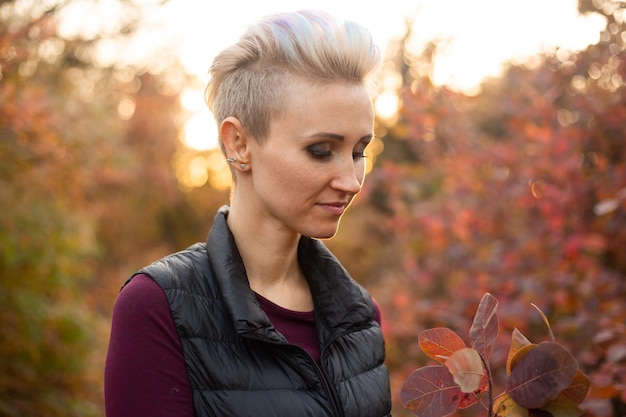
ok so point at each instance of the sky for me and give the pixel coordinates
(481, 35)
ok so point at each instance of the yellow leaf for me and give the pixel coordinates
(518, 341)
(466, 368)
(563, 407)
(504, 406)
(517, 356)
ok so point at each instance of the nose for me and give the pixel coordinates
(349, 176)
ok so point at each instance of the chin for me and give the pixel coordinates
(322, 234)
(323, 237)
(317, 229)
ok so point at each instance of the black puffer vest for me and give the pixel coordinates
(239, 365)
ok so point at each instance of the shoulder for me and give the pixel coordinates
(170, 271)
(143, 338)
(142, 316)
(184, 258)
(141, 300)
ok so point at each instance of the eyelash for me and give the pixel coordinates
(358, 155)
(323, 154)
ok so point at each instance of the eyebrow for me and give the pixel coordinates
(340, 138)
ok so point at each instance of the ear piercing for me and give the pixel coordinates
(231, 160)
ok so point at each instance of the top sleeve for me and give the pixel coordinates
(145, 372)
(377, 313)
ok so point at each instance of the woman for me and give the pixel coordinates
(262, 320)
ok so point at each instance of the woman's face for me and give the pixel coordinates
(311, 165)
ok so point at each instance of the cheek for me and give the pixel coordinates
(290, 178)
(300, 179)
(360, 172)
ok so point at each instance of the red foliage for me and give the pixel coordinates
(543, 379)
(520, 192)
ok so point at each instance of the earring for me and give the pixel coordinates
(242, 166)
(230, 160)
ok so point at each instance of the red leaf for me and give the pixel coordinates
(430, 391)
(469, 399)
(439, 343)
(541, 375)
(484, 329)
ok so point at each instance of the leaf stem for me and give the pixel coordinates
(489, 380)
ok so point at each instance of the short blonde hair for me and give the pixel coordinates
(248, 79)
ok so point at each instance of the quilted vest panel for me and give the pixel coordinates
(239, 365)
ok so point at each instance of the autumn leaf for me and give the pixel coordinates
(468, 399)
(563, 407)
(484, 328)
(546, 322)
(518, 342)
(505, 406)
(430, 391)
(541, 375)
(439, 343)
(520, 346)
(578, 390)
(518, 356)
(466, 367)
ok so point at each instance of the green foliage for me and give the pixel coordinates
(87, 196)
(46, 241)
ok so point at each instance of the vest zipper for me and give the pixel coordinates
(330, 392)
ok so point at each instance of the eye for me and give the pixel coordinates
(359, 151)
(319, 151)
(357, 156)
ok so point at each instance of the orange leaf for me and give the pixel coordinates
(518, 341)
(546, 322)
(439, 343)
(518, 356)
(578, 390)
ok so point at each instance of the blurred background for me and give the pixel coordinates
(499, 166)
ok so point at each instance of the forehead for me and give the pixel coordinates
(310, 102)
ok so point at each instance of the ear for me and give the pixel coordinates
(235, 140)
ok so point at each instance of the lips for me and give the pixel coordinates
(336, 209)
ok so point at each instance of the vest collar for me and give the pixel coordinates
(340, 303)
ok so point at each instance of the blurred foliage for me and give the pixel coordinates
(88, 194)
(519, 191)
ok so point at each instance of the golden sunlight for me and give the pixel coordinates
(195, 169)
(200, 131)
(387, 105)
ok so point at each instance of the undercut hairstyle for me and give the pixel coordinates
(249, 79)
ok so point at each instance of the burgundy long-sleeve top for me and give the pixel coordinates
(145, 372)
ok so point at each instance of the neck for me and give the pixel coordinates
(270, 255)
